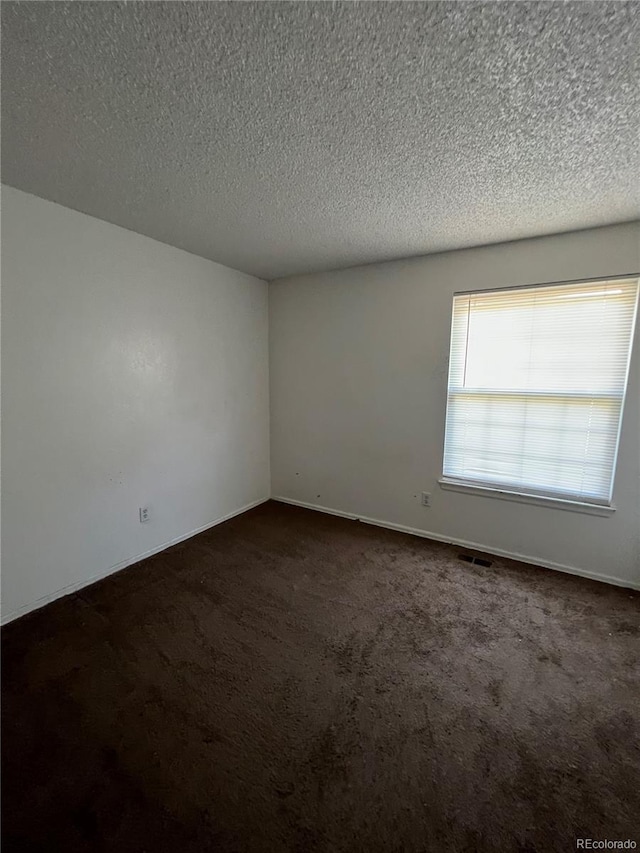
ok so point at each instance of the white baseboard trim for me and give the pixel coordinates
(464, 543)
(74, 587)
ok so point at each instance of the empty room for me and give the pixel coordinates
(320, 427)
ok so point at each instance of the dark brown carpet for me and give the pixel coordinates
(290, 681)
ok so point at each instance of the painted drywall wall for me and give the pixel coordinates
(134, 374)
(358, 372)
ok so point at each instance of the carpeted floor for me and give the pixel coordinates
(290, 681)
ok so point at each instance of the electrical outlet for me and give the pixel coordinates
(426, 499)
(145, 515)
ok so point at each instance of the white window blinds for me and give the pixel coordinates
(537, 378)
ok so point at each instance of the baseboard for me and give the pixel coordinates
(464, 543)
(74, 587)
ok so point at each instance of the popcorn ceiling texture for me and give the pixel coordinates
(280, 138)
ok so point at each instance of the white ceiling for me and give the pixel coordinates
(289, 137)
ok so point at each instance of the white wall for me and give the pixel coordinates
(358, 371)
(133, 374)
(136, 374)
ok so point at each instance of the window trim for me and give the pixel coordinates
(540, 499)
(529, 285)
(526, 497)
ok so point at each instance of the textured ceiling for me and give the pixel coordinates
(288, 137)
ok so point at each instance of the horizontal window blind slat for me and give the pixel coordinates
(537, 379)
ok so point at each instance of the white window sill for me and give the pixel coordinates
(520, 497)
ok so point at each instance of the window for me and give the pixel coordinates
(537, 378)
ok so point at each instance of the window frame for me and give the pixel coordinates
(533, 496)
